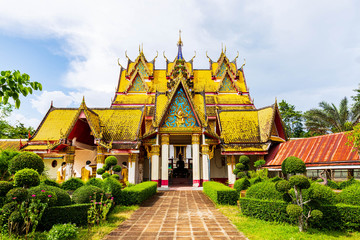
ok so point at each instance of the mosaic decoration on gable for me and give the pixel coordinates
(137, 85)
(180, 113)
(142, 69)
(226, 85)
(222, 70)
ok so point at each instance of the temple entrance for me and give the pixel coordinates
(180, 166)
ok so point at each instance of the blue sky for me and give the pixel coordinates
(301, 51)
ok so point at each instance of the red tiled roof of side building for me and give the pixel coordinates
(322, 150)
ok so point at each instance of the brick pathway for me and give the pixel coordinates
(177, 215)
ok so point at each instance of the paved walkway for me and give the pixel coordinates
(177, 215)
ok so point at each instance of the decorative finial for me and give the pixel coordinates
(208, 57)
(142, 47)
(83, 100)
(119, 63)
(225, 49)
(180, 42)
(51, 105)
(165, 56)
(193, 56)
(222, 49)
(157, 54)
(126, 55)
(139, 48)
(236, 57)
(243, 63)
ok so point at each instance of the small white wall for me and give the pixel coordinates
(51, 171)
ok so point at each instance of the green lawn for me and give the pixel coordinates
(256, 229)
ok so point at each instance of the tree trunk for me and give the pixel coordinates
(301, 223)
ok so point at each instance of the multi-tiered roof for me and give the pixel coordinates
(178, 100)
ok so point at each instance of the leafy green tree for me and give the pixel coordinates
(14, 84)
(292, 119)
(329, 118)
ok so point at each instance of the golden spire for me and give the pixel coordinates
(180, 43)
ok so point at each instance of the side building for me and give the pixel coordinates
(175, 126)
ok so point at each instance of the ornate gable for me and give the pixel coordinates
(180, 113)
(227, 85)
(137, 85)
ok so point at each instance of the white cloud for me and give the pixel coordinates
(294, 49)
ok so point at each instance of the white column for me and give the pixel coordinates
(164, 160)
(205, 163)
(155, 151)
(231, 166)
(196, 160)
(133, 161)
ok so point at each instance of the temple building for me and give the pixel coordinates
(175, 126)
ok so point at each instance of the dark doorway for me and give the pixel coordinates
(180, 168)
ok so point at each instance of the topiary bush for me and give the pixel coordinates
(45, 196)
(275, 179)
(294, 210)
(333, 184)
(111, 161)
(100, 171)
(282, 186)
(72, 184)
(105, 175)
(26, 160)
(86, 193)
(115, 176)
(241, 184)
(347, 183)
(17, 194)
(95, 182)
(241, 175)
(5, 187)
(50, 182)
(113, 186)
(293, 165)
(319, 194)
(300, 181)
(116, 168)
(5, 158)
(66, 231)
(26, 177)
(255, 180)
(264, 190)
(63, 198)
(350, 195)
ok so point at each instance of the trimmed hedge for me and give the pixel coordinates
(268, 210)
(339, 216)
(220, 193)
(350, 195)
(76, 213)
(264, 190)
(138, 193)
(72, 184)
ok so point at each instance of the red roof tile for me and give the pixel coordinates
(322, 150)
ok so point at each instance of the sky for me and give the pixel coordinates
(300, 51)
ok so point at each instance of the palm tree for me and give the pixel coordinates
(331, 119)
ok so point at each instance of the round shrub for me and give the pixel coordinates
(63, 198)
(347, 183)
(316, 215)
(264, 190)
(254, 181)
(115, 176)
(116, 168)
(50, 183)
(5, 187)
(299, 181)
(275, 179)
(95, 182)
(111, 161)
(293, 165)
(72, 184)
(106, 167)
(26, 177)
(17, 194)
(240, 166)
(5, 158)
(244, 159)
(351, 195)
(282, 186)
(236, 171)
(86, 193)
(259, 163)
(100, 171)
(105, 175)
(26, 160)
(241, 184)
(9, 207)
(241, 175)
(113, 187)
(294, 210)
(44, 193)
(63, 232)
